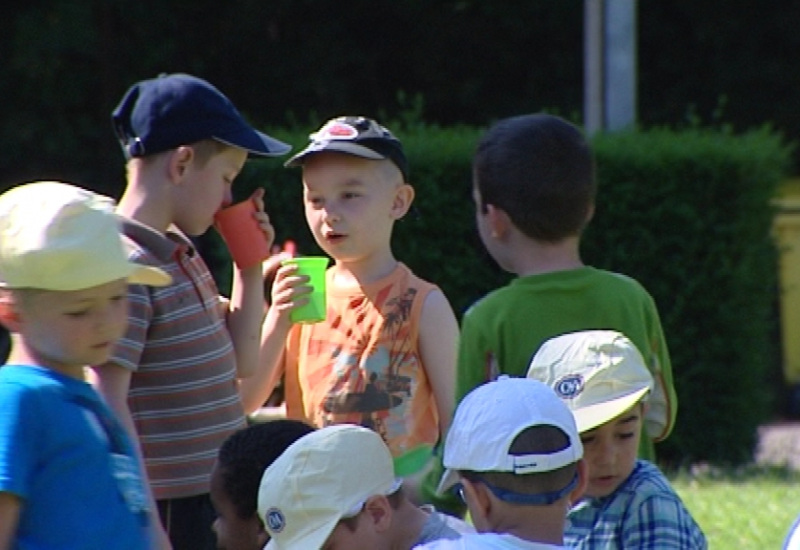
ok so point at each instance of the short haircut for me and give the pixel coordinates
(245, 455)
(534, 440)
(204, 150)
(540, 170)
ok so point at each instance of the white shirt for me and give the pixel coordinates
(492, 541)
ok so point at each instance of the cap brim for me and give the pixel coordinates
(449, 479)
(150, 276)
(255, 143)
(347, 147)
(589, 418)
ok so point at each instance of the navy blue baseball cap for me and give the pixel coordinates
(168, 111)
(358, 136)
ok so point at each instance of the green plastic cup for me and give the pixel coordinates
(314, 268)
(412, 461)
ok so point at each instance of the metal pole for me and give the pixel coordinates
(593, 65)
(619, 64)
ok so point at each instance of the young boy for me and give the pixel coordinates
(628, 503)
(514, 450)
(173, 377)
(69, 474)
(335, 488)
(236, 476)
(384, 357)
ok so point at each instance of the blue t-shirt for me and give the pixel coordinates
(66, 457)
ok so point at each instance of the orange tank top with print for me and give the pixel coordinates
(362, 364)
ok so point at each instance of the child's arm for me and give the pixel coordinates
(288, 292)
(438, 344)
(661, 368)
(246, 311)
(10, 507)
(113, 381)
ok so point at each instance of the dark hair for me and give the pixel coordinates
(539, 169)
(532, 440)
(245, 455)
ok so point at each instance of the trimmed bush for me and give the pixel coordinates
(685, 212)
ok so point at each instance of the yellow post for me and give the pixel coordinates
(786, 230)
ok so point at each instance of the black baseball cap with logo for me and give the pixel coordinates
(358, 136)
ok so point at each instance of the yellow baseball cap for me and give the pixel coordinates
(599, 374)
(56, 236)
(320, 479)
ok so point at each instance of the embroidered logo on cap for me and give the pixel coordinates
(275, 520)
(335, 130)
(569, 386)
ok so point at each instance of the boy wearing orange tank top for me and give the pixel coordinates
(384, 357)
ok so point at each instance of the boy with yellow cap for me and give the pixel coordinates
(69, 474)
(628, 503)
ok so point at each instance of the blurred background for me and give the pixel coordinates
(65, 64)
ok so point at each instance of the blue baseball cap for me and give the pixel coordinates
(168, 111)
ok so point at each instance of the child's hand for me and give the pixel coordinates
(289, 290)
(261, 216)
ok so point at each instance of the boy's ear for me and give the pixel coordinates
(498, 221)
(180, 159)
(583, 482)
(9, 316)
(379, 511)
(589, 214)
(403, 197)
(478, 503)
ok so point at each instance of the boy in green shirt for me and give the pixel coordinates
(534, 188)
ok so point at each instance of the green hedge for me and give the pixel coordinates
(685, 212)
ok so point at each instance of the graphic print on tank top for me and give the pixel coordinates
(373, 374)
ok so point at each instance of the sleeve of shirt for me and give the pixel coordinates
(662, 522)
(18, 438)
(129, 348)
(660, 419)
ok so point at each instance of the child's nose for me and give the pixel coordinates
(331, 215)
(607, 455)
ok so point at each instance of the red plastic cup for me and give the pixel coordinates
(244, 238)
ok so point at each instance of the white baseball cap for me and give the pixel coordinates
(56, 236)
(322, 478)
(599, 374)
(492, 415)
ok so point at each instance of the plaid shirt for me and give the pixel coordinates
(644, 512)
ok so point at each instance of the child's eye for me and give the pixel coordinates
(314, 201)
(587, 439)
(351, 195)
(626, 435)
(78, 314)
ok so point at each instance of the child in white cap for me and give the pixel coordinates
(336, 488)
(628, 502)
(514, 451)
(69, 475)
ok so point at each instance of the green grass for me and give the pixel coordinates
(743, 509)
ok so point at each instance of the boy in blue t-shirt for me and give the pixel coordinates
(69, 475)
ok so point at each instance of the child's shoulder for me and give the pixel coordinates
(647, 480)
